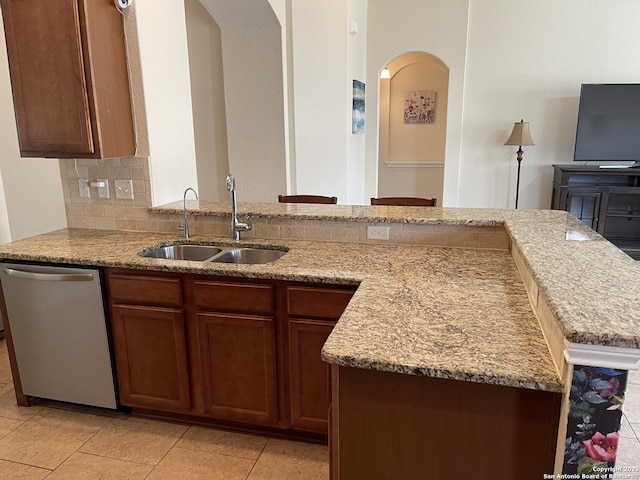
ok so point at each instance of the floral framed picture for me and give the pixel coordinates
(419, 107)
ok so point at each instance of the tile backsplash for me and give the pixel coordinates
(106, 213)
(118, 214)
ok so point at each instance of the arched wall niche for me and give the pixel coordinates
(411, 155)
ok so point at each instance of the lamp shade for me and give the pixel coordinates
(385, 73)
(520, 135)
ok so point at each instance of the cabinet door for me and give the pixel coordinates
(621, 219)
(151, 357)
(238, 359)
(309, 374)
(585, 206)
(69, 78)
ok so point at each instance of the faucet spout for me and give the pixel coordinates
(237, 226)
(185, 224)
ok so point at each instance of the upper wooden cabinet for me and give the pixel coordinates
(69, 78)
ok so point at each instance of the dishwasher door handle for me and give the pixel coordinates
(54, 277)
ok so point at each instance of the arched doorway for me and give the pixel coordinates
(412, 126)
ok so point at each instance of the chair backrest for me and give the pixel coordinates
(307, 199)
(404, 201)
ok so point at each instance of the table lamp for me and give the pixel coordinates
(519, 136)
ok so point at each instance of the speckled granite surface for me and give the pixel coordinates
(443, 312)
(591, 285)
(353, 213)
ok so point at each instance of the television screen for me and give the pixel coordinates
(608, 123)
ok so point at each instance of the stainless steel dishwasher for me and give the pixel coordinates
(58, 326)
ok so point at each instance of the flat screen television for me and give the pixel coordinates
(608, 124)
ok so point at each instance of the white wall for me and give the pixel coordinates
(165, 85)
(527, 60)
(251, 69)
(254, 99)
(319, 36)
(207, 94)
(31, 198)
(356, 70)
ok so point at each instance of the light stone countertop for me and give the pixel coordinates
(443, 312)
(350, 213)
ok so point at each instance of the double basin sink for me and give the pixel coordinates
(213, 253)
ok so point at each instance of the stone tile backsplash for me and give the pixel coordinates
(118, 214)
(106, 213)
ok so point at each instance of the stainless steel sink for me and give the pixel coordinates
(182, 252)
(249, 256)
(213, 253)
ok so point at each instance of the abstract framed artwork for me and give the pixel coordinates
(357, 117)
(419, 107)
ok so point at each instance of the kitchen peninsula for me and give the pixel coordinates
(464, 327)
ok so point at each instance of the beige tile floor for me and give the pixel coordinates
(45, 441)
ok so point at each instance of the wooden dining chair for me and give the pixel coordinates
(404, 201)
(307, 199)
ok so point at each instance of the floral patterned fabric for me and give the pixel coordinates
(593, 428)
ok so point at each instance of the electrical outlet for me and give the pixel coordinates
(83, 188)
(103, 192)
(124, 189)
(378, 233)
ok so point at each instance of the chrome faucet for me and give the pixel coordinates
(236, 225)
(185, 225)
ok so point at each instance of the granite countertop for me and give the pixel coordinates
(444, 312)
(349, 213)
(588, 282)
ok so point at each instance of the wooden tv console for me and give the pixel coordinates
(606, 199)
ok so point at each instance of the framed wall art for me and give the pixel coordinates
(419, 107)
(357, 117)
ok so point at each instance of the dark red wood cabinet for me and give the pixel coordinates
(69, 78)
(220, 349)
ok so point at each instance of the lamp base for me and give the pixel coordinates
(519, 159)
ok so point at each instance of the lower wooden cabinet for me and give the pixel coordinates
(237, 350)
(309, 374)
(312, 312)
(151, 357)
(238, 358)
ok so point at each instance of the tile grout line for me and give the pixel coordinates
(258, 459)
(79, 447)
(633, 430)
(31, 466)
(168, 451)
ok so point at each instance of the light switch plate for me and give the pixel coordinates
(83, 188)
(103, 192)
(124, 189)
